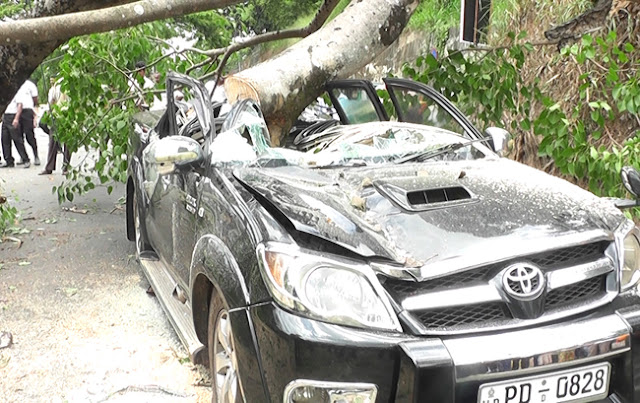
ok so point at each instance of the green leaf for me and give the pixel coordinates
(589, 53)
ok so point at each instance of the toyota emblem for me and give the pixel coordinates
(523, 281)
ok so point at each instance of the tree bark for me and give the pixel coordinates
(284, 85)
(58, 20)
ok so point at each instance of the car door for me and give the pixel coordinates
(356, 101)
(415, 102)
(174, 203)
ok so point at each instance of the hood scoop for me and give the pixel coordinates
(441, 195)
(426, 199)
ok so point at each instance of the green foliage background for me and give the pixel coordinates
(490, 88)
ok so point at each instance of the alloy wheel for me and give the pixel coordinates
(225, 363)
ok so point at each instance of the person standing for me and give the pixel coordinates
(138, 83)
(11, 130)
(55, 97)
(29, 119)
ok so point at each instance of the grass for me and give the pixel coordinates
(533, 16)
(302, 21)
(436, 17)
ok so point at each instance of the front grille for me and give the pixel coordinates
(569, 256)
(401, 289)
(496, 314)
(462, 315)
(575, 293)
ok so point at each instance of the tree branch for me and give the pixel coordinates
(318, 21)
(321, 17)
(65, 26)
(489, 49)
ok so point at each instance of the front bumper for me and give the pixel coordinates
(406, 368)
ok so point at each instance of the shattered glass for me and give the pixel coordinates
(248, 144)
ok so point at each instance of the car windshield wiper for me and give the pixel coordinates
(447, 148)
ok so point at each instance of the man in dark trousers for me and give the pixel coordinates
(11, 131)
(28, 118)
(55, 97)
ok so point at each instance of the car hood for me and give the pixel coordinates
(504, 209)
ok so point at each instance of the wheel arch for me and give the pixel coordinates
(214, 269)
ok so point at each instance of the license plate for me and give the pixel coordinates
(556, 387)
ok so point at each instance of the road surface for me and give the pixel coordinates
(74, 299)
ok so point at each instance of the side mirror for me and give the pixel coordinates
(631, 180)
(172, 153)
(500, 139)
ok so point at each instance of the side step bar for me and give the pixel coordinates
(179, 314)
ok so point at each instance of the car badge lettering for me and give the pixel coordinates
(523, 281)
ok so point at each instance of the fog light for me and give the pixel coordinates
(307, 391)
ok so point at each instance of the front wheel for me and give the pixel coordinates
(225, 380)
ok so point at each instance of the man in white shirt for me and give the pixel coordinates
(28, 118)
(11, 130)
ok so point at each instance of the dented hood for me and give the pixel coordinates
(370, 211)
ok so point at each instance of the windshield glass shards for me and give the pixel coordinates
(353, 145)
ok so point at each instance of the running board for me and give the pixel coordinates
(179, 314)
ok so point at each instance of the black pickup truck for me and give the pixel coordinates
(385, 252)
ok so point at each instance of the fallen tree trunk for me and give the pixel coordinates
(284, 85)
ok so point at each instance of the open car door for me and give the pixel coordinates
(415, 102)
(173, 167)
(356, 101)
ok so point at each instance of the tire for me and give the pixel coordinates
(138, 227)
(225, 380)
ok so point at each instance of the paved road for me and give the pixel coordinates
(74, 298)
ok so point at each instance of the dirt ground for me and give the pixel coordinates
(74, 299)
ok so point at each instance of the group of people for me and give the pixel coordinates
(18, 123)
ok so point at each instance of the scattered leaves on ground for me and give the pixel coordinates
(70, 291)
(6, 339)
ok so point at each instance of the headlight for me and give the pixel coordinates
(630, 274)
(325, 289)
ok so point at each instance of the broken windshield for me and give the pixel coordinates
(364, 144)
